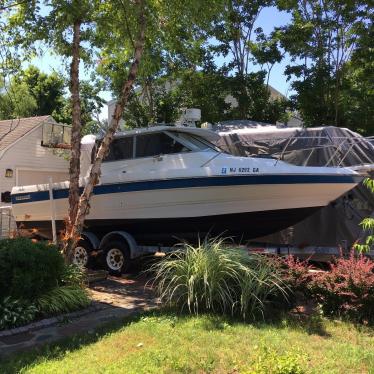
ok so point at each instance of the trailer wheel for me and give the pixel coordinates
(117, 257)
(81, 254)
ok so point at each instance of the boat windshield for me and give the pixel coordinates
(195, 142)
(153, 144)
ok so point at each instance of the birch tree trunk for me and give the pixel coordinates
(74, 167)
(84, 206)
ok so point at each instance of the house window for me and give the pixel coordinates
(9, 173)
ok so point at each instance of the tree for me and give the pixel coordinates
(357, 96)
(32, 93)
(145, 24)
(46, 89)
(91, 105)
(266, 51)
(229, 92)
(367, 224)
(206, 90)
(133, 25)
(15, 98)
(54, 22)
(151, 104)
(234, 30)
(83, 206)
(240, 41)
(16, 101)
(321, 39)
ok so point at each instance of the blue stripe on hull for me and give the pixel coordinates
(190, 183)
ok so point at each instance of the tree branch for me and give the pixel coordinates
(127, 24)
(13, 5)
(74, 168)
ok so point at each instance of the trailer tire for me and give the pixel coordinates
(117, 257)
(81, 255)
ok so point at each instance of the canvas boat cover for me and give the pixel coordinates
(334, 225)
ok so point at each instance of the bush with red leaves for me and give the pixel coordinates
(347, 290)
(295, 274)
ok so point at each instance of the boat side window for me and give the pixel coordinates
(120, 149)
(149, 145)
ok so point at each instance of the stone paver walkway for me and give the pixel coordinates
(114, 298)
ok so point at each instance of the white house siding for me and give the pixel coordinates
(32, 162)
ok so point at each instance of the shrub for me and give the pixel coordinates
(62, 299)
(28, 269)
(212, 277)
(74, 275)
(295, 273)
(15, 313)
(367, 225)
(34, 281)
(347, 290)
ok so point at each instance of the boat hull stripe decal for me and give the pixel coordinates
(190, 183)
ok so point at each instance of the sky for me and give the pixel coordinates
(268, 19)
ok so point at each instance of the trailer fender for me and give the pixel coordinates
(91, 238)
(122, 235)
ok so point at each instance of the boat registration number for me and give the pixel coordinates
(234, 170)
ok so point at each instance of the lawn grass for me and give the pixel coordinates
(162, 343)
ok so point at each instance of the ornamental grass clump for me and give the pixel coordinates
(62, 299)
(212, 277)
(261, 287)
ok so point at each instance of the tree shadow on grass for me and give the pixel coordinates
(18, 361)
(311, 324)
(14, 363)
(57, 350)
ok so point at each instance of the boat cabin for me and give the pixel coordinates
(137, 153)
(156, 143)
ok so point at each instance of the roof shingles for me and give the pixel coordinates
(14, 129)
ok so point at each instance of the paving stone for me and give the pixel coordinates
(43, 337)
(18, 338)
(126, 297)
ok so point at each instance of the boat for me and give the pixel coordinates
(164, 184)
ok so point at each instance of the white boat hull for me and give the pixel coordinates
(245, 206)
